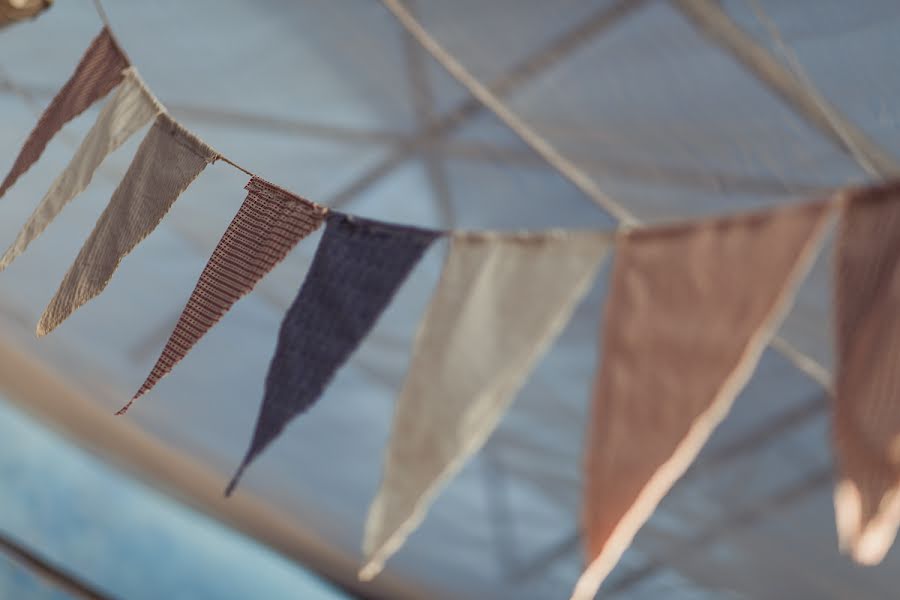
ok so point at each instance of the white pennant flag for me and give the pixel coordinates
(132, 107)
(501, 301)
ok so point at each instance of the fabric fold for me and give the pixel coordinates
(358, 267)
(98, 72)
(166, 163)
(690, 311)
(270, 222)
(132, 107)
(867, 384)
(501, 301)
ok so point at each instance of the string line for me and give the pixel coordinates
(104, 18)
(797, 357)
(805, 363)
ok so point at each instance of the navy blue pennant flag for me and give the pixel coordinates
(358, 267)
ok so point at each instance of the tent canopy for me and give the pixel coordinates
(651, 103)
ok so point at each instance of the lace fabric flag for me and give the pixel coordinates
(99, 71)
(501, 301)
(166, 163)
(358, 267)
(132, 107)
(690, 311)
(867, 386)
(270, 222)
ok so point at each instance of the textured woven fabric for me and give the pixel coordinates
(99, 71)
(690, 310)
(167, 161)
(867, 384)
(358, 267)
(501, 301)
(268, 225)
(132, 107)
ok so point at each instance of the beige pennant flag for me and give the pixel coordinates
(867, 383)
(690, 310)
(132, 107)
(166, 163)
(501, 301)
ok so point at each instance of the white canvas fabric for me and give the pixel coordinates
(130, 108)
(501, 301)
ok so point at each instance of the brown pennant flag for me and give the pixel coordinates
(268, 225)
(691, 309)
(99, 71)
(867, 385)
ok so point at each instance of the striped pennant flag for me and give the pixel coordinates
(168, 160)
(132, 107)
(270, 222)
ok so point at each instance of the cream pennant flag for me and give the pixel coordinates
(690, 310)
(501, 301)
(132, 107)
(98, 72)
(867, 384)
(166, 163)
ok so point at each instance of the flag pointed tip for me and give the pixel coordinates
(125, 408)
(370, 570)
(229, 489)
(43, 328)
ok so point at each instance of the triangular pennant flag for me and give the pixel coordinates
(867, 383)
(166, 163)
(99, 71)
(691, 309)
(270, 222)
(501, 301)
(132, 107)
(357, 269)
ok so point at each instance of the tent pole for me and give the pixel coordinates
(59, 578)
(55, 402)
(711, 20)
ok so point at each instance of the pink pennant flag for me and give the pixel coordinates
(270, 222)
(99, 71)
(691, 309)
(867, 385)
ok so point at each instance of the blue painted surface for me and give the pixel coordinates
(120, 535)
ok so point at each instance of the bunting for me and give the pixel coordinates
(690, 311)
(132, 107)
(268, 225)
(867, 409)
(357, 269)
(99, 71)
(166, 163)
(501, 301)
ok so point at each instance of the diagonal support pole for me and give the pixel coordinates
(713, 22)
